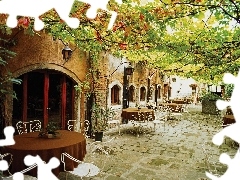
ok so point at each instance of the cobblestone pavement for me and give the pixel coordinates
(183, 150)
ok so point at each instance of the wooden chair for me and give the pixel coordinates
(227, 120)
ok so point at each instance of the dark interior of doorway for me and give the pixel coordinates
(35, 97)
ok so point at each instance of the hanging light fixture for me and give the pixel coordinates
(129, 70)
(67, 53)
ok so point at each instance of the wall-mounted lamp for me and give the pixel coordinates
(67, 53)
(129, 70)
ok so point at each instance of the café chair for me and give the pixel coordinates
(225, 123)
(82, 170)
(70, 125)
(185, 108)
(177, 114)
(21, 127)
(114, 122)
(161, 118)
(102, 152)
(101, 146)
(34, 125)
(26, 177)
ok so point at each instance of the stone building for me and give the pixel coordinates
(144, 85)
(185, 87)
(47, 90)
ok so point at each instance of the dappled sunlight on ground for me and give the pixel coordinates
(183, 151)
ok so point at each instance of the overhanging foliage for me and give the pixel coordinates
(196, 38)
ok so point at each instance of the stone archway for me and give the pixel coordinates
(44, 66)
(51, 66)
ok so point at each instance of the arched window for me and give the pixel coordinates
(115, 91)
(159, 92)
(142, 93)
(131, 93)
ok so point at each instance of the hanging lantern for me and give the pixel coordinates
(67, 53)
(129, 70)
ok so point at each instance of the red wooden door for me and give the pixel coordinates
(45, 99)
(44, 95)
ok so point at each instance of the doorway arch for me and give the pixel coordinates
(48, 94)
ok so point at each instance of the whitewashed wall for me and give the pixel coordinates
(181, 85)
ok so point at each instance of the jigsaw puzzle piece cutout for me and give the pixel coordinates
(18, 176)
(100, 4)
(222, 104)
(63, 9)
(233, 164)
(44, 169)
(230, 131)
(228, 78)
(3, 165)
(233, 129)
(36, 8)
(8, 132)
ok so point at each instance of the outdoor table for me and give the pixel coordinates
(136, 114)
(178, 101)
(73, 143)
(227, 120)
(173, 107)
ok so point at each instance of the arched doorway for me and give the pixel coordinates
(45, 95)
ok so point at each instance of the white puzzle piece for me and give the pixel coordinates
(232, 131)
(35, 8)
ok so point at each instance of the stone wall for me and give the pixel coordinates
(111, 73)
(41, 52)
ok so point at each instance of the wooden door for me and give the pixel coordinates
(44, 95)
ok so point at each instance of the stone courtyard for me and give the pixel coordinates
(183, 150)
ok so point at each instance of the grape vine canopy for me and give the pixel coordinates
(192, 38)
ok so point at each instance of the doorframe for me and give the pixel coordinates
(45, 98)
(78, 97)
(45, 87)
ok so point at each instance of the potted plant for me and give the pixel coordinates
(50, 131)
(209, 103)
(100, 117)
